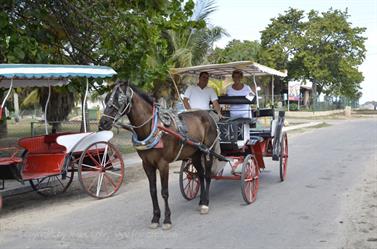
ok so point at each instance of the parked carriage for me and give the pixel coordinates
(243, 142)
(49, 162)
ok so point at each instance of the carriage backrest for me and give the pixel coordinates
(42, 144)
(235, 132)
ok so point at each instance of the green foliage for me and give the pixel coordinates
(293, 107)
(236, 51)
(140, 39)
(323, 48)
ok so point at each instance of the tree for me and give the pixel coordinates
(185, 47)
(236, 50)
(325, 49)
(122, 34)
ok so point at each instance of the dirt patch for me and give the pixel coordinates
(359, 214)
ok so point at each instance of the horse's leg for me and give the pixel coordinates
(208, 166)
(164, 175)
(197, 162)
(151, 174)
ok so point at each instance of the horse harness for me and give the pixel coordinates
(166, 119)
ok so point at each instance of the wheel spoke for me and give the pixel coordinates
(93, 181)
(110, 180)
(93, 159)
(113, 173)
(104, 156)
(91, 167)
(60, 182)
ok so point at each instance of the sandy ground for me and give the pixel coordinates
(359, 214)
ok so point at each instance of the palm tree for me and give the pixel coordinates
(190, 46)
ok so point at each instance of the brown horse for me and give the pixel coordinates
(144, 121)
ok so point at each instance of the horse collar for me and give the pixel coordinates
(153, 138)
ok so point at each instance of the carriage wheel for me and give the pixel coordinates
(188, 180)
(249, 179)
(101, 170)
(283, 156)
(53, 185)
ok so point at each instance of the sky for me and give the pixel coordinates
(244, 19)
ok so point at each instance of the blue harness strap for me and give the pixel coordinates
(154, 137)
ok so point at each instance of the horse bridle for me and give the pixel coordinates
(124, 103)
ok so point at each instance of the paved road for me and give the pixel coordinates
(306, 211)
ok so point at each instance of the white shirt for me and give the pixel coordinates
(242, 110)
(199, 98)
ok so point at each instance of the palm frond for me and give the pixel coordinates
(182, 57)
(31, 99)
(203, 8)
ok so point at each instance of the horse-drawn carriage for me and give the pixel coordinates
(49, 161)
(162, 137)
(243, 141)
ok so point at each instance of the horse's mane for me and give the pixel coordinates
(142, 94)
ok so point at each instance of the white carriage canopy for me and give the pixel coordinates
(44, 75)
(47, 75)
(248, 68)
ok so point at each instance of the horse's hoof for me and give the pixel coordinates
(154, 225)
(166, 226)
(204, 209)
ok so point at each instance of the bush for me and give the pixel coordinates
(293, 107)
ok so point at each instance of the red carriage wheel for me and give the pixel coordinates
(56, 184)
(283, 156)
(188, 180)
(249, 179)
(101, 169)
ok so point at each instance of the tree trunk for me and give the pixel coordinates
(314, 95)
(60, 105)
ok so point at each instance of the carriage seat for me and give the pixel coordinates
(234, 132)
(45, 156)
(45, 144)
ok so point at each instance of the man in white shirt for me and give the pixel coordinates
(199, 96)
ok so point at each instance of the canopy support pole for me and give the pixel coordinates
(84, 104)
(256, 91)
(47, 102)
(273, 91)
(175, 86)
(6, 97)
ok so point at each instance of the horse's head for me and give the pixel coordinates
(118, 103)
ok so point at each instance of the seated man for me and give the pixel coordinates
(199, 96)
